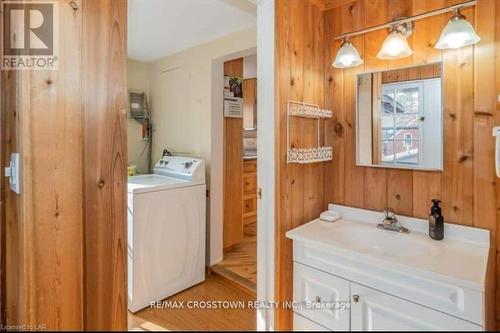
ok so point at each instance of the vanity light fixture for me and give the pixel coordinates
(457, 33)
(347, 56)
(395, 44)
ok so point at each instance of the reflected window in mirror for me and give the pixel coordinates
(399, 118)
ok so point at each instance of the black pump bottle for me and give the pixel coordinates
(436, 221)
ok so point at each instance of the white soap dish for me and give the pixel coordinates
(330, 216)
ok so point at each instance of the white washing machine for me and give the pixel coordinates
(166, 230)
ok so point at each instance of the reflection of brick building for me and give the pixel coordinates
(400, 129)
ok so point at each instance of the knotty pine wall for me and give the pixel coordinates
(64, 264)
(467, 186)
(105, 98)
(300, 77)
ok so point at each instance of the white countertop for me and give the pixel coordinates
(461, 258)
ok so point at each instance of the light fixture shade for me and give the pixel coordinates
(457, 33)
(395, 46)
(347, 56)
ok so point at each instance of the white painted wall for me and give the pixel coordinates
(187, 90)
(250, 67)
(183, 126)
(138, 80)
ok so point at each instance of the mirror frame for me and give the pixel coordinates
(442, 130)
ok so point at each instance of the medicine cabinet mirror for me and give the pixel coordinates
(399, 118)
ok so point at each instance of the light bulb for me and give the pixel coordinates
(457, 33)
(347, 56)
(395, 46)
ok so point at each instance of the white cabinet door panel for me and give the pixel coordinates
(303, 324)
(375, 311)
(312, 287)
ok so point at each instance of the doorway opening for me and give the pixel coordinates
(239, 257)
(188, 170)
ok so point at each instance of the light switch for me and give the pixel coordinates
(12, 172)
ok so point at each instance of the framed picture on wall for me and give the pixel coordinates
(233, 97)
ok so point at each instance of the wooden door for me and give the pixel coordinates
(233, 169)
(65, 237)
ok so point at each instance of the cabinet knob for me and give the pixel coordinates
(355, 298)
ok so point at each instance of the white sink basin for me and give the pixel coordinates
(462, 255)
(383, 242)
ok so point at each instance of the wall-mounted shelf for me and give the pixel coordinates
(312, 154)
(299, 109)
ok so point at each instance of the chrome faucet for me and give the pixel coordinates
(391, 222)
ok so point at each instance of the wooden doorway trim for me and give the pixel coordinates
(4, 152)
(105, 163)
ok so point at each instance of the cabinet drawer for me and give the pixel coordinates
(250, 183)
(303, 324)
(312, 286)
(249, 207)
(448, 298)
(250, 166)
(372, 310)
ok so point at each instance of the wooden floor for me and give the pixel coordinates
(213, 289)
(240, 262)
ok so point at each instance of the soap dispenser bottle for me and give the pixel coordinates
(436, 221)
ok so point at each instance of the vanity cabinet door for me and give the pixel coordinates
(372, 310)
(317, 291)
(303, 324)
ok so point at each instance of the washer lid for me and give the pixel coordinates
(152, 182)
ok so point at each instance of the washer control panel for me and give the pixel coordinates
(188, 168)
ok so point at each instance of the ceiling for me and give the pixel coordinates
(157, 28)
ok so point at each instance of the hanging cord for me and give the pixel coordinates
(73, 5)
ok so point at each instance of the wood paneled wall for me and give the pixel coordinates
(299, 77)
(11, 261)
(105, 169)
(304, 37)
(44, 250)
(412, 73)
(3, 187)
(467, 184)
(233, 169)
(496, 46)
(65, 233)
(409, 192)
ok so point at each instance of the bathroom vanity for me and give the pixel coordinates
(387, 280)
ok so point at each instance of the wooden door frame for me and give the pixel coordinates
(3, 152)
(267, 162)
(216, 200)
